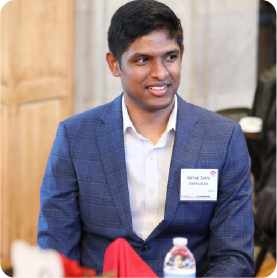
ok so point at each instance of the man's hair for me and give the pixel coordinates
(139, 18)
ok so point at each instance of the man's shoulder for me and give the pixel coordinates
(89, 121)
(203, 115)
(96, 114)
(90, 115)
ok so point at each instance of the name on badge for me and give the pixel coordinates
(199, 185)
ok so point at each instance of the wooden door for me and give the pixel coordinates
(36, 94)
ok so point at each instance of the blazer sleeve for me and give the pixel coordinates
(231, 249)
(59, 225)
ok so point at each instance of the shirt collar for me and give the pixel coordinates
(127, 123)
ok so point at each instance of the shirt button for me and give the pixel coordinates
(150, 223)
(151, 157)
(145, 248)
(152, 192)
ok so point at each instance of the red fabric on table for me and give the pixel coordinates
(121, 258)
(73, 269)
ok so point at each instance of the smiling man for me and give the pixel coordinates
(150, 71)
(123, 169)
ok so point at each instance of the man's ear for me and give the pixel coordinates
(113, 64)
(183, 49)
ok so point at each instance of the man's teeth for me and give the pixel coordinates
(157, 88)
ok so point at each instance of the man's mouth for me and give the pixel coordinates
(158, 88)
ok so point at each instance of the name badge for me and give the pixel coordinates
(198, 185)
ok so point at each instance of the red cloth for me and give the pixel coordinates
(73, 269)
(121, 258)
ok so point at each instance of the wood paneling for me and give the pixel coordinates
(42, 119)
(5, 182)
(36, 94)
(5, 44)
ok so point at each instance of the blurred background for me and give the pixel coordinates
(53, 66)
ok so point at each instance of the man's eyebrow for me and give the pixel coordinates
(174, 51)
(139, 55)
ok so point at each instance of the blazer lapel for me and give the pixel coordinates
(187, 144)
(111, 149)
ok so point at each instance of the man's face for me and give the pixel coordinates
(150, 72)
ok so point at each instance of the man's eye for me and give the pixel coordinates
(171, 57)
(142, 60)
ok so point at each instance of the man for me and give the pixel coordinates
(114, 171)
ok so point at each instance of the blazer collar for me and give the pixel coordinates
(113, 112)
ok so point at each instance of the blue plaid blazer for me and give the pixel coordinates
(85, 201)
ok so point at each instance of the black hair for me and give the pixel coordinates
(139, 18)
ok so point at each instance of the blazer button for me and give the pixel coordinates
(145, 248)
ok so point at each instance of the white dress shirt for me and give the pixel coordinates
(147, 171)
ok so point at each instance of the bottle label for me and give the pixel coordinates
(179, 262)
(171, 274)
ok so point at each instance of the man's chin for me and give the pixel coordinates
(160, 105)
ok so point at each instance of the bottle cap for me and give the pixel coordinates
(180, 241)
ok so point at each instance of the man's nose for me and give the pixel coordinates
(159, 70)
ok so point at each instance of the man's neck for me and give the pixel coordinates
(150, 124)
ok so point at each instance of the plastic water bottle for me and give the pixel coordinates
(179, 261)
